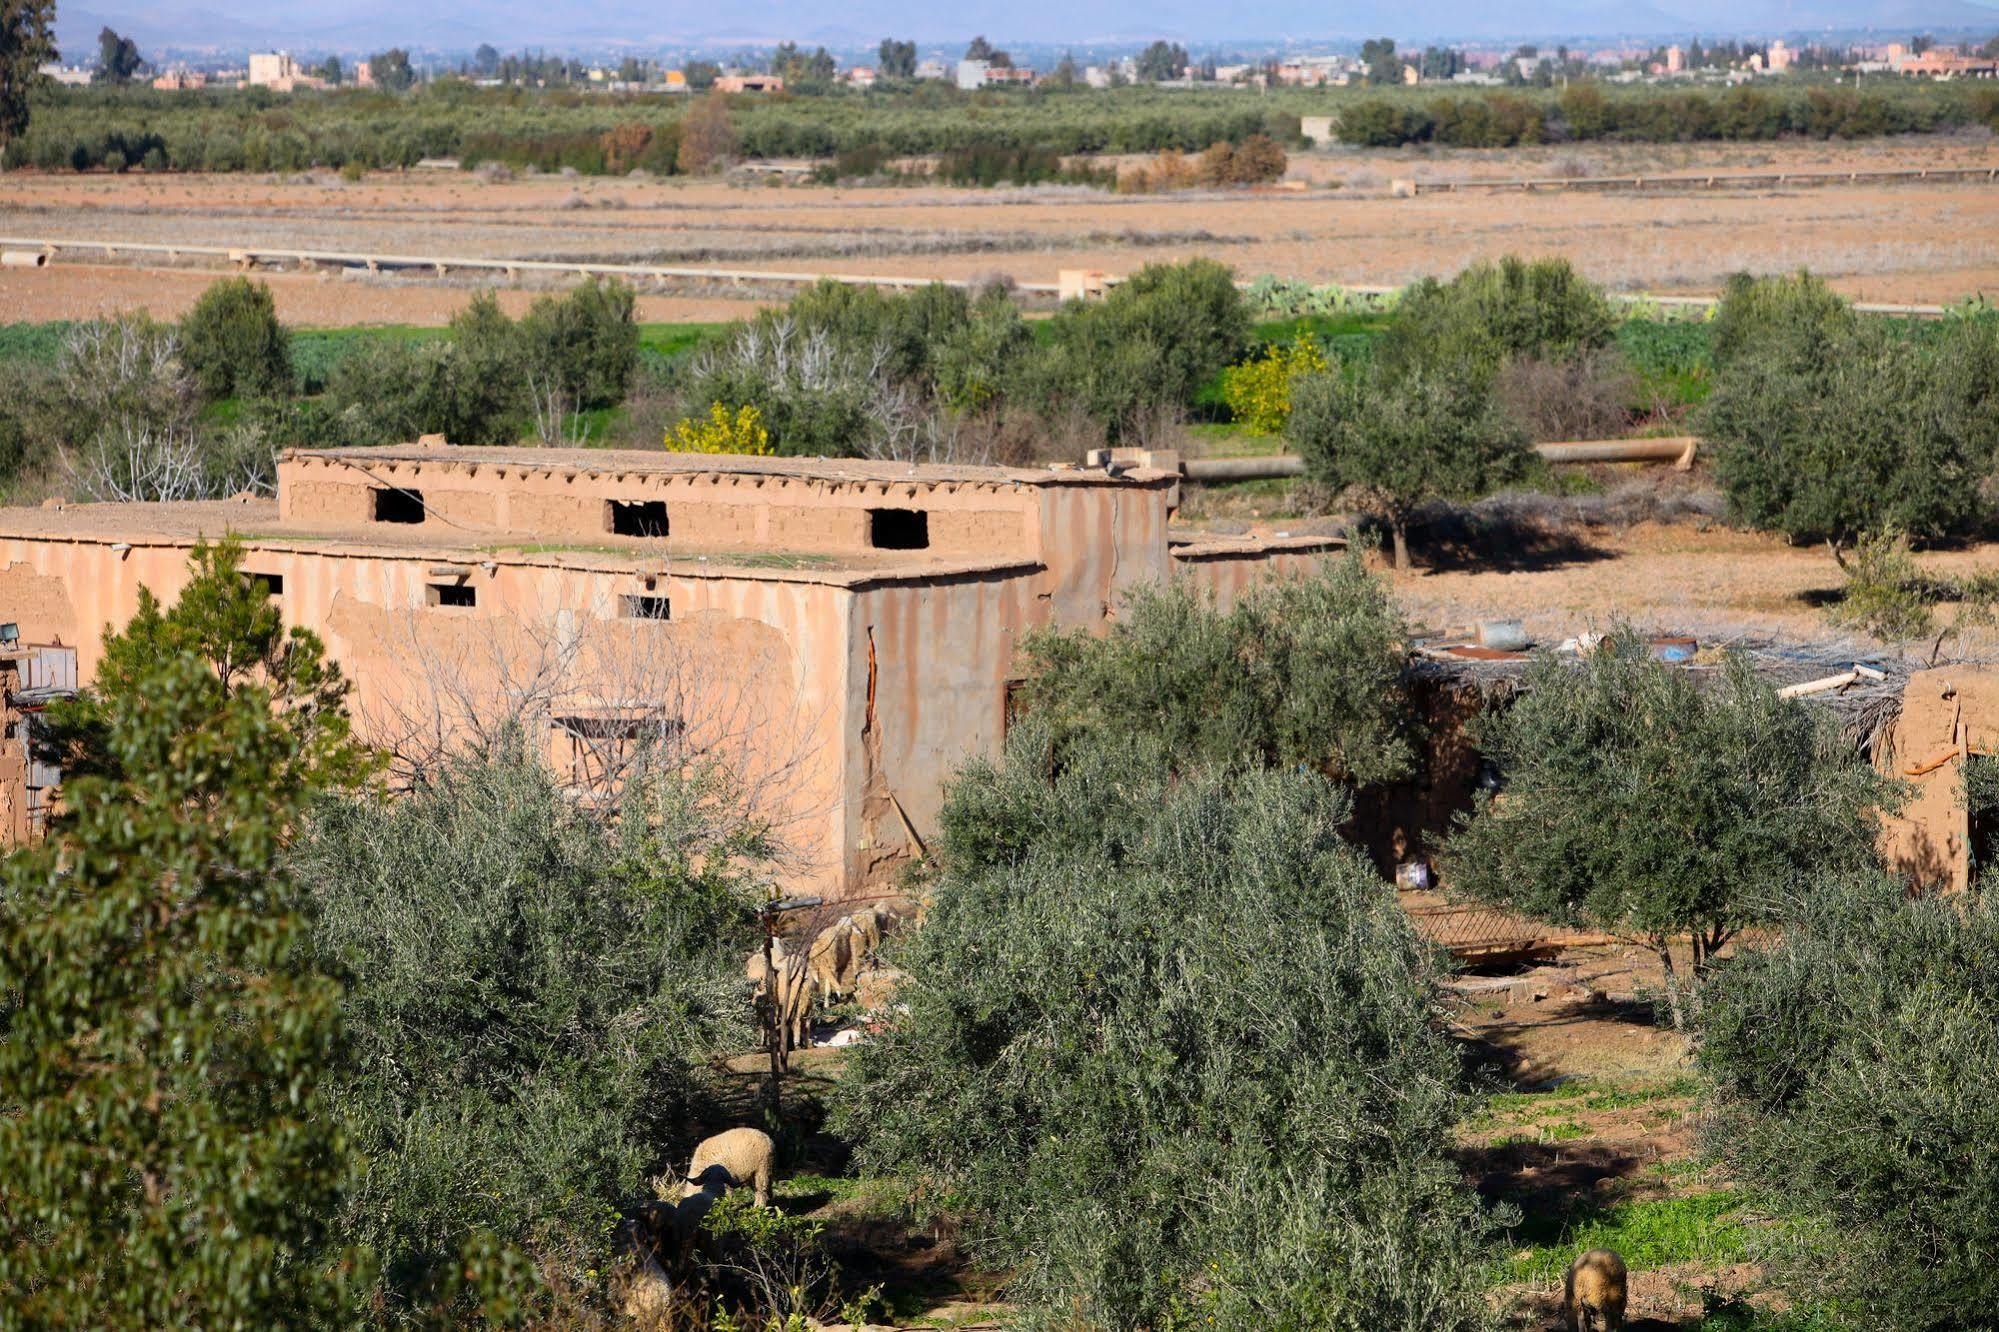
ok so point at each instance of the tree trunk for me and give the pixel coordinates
(1398, 527)
(1676, 998)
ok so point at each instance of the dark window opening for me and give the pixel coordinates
(398, 506)
(639, 606)
(1014, 706)
(638, 518)
(451, 594)
(271, 585)
(899, 529)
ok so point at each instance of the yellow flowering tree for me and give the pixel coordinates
(1258, 392)
(722, 431)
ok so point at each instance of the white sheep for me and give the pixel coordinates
(732, 1158)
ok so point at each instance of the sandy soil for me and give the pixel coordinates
(1910, 242)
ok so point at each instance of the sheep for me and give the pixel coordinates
(1593, 1294)
(831, 958)
(734, 1157)
(789, 991)
(868, 925)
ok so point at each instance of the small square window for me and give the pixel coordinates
(451, 594)
(638, 518)
(394, 505)
(645, 607)
(271, 585)
(899, 529)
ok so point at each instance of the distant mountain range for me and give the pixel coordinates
(452, 25)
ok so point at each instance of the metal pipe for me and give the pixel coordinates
(1273, 465)
(24, 259)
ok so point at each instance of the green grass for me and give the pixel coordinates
(1582, 1093)
(1702, 1227)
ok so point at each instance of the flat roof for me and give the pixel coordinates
(659, 462)
(257, 524)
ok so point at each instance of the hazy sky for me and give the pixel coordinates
(651, 24)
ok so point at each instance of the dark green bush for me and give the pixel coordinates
(1173, 1055)
(232, 343)
(1641, 800)
(531, 998)
(1398, 438)
(1850, 1063)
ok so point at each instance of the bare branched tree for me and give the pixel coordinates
(132, 433)
(557, 423)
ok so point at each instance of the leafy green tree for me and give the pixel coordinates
(1171, 1052)
(27, 42)
(391, 70)
(584, 344)
(118, 58)
(1397, 440)
(896, 60)
(1162, 61)
(1150, 344)
(232, 343)
(1302, 671)
(164, 1032)
(533, 996)
(1641, 801)
(1846, 1060)
(1824, 428)
(1757, 312)
(1383, 65)
(1494, 312)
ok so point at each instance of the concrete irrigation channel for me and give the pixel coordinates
(41, 251)
(1718, 180)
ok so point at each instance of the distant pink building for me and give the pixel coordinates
(749, 83)
(180, 80)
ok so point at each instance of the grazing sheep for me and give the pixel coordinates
(735, 1157)
(794, 1004)
(1594, 1292)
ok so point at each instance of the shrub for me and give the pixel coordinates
(1304, 671)
(1174, 1056)
(741, 431)
(1258, 392)
(1640, 801)
(1398, 439)
(1755, 313)
(170, 1154)
(531, 997)
(1846, 1062)
(1490, 313)
(232, 343)
(977, 362)
(389, 391)
(1835, 429)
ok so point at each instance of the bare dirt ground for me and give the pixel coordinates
(1922, 242)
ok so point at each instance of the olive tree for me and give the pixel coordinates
(1395, 439)
(1643, 800)
(1304, 670)
(1849, 1066)
(531, 998)
(1172, 1051)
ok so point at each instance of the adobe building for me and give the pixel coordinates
(843, 633)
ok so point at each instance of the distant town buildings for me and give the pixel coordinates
(180, 80)
(70, 76)
(277, 71)
(749, 83)
(975, 74)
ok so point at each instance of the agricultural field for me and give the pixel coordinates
(1926, 242)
